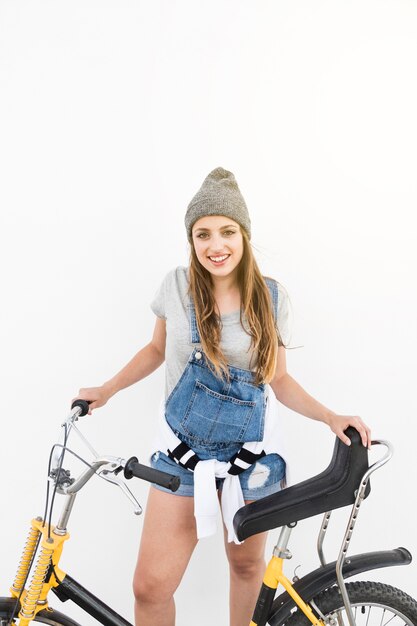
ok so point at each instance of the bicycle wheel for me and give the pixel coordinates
(373, 604)
(47, 616)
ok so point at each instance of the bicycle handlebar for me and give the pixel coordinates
(131, 467)
(81, 404)
(134, 468)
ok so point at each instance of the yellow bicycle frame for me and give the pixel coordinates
(273, 577)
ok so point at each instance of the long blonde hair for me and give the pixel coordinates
(256, 306)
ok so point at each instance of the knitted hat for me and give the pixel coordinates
(218, 195)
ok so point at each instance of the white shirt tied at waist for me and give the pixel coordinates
(206, 504)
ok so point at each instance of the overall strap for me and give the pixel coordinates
(273, 290)
(194, 334)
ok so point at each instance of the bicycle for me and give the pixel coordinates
(321, 597)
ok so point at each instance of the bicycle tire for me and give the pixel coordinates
(47, 616)
(372, 603)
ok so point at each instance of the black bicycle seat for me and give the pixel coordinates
(335, 487)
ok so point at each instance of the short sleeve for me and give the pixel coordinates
(284, 316)
(158, 304)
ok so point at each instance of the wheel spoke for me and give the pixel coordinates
(390, 619)
(340, 618)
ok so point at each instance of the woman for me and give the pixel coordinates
(217, 328)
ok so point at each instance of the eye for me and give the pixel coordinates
(229, 232)
(201, 235)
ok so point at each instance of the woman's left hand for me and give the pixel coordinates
(339, 423)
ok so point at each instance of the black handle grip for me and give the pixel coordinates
(133, 468)
(83, 404)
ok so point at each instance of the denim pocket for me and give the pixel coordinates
(212, 417)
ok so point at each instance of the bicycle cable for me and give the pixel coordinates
(64, 450)
(49, 471)
(60, 463)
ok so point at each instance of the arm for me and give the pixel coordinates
(292, 395)
(146, 361)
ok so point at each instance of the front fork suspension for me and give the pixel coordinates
(34, 598)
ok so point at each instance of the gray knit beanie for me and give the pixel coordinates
(218, 195)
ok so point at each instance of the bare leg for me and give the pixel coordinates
(168, 539)
(247, 566)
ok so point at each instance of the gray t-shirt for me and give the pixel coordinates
(171, 303)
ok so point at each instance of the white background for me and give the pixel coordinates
(112, 113)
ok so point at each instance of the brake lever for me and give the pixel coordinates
(106, 473)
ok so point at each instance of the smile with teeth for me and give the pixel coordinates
(219, 259)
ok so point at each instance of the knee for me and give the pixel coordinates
(246, 568)
(150, 588)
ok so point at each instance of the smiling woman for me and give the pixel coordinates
(218, 243)
(218, 328)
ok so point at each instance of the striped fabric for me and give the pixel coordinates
(184, 456)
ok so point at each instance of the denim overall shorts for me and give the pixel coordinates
(215, 417)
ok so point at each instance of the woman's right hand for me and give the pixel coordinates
(96, 396)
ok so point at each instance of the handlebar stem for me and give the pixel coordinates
(61, 527)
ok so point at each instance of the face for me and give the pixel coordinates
(218, 243)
